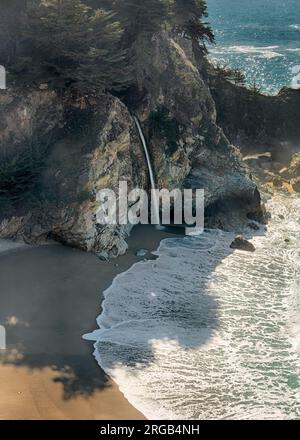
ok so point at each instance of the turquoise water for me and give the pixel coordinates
(261, 37)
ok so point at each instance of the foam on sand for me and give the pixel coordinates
(204, 332)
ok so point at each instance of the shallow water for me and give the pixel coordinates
(204, 332)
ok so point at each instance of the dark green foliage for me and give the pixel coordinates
(12, 16)
(162, 124)
(186, 10)
(200, 33)
(88, 45)
(284, 90)
(140, 16)
(255, 89)
(188, 20)
(80, 121)
(231, 74)
(20, 173)
(69, 45)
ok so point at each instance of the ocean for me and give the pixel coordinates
(260, 37)
(205, 332)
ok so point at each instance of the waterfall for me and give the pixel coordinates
(155, 199)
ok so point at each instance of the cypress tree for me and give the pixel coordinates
(68, 44)
(140, 16)
(11, 19)
(188, 19)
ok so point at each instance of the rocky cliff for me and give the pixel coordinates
(257, 122)
(93, 143)
(265, 128)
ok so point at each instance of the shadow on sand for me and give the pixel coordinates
(50, 297)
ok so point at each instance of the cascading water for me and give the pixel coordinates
(155, 199)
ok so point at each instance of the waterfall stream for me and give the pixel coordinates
(155, 198)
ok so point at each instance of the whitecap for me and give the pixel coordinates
(204, 332)
(267, 52)
(295, 26)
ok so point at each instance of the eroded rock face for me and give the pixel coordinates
(105, 149)
(274, 176)
(256, 122)
(78, 166)
(23, 115)
(115, 155)
(202, 157)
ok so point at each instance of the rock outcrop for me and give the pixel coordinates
(202, 156)
(257, 122)
(94, 144)
(80, 163)
(240, 243)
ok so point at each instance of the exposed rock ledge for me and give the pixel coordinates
(95, 146)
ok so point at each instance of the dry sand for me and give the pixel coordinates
(49, 297)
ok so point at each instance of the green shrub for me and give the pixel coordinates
(255, 89)
(231, 74)
(162, 124)
(19, 174)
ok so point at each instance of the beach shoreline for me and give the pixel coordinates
(50, 296)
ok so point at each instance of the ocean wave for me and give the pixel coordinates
(268, 52)
(295, 26)
(204, 332)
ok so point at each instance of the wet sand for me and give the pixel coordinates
(49, 297)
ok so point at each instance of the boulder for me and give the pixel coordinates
(242, 244)
(141, 253)
(294, 166)
(254, 226)
(296, 184)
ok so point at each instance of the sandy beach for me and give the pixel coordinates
(49, 297)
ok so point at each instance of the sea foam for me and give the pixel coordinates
(267, 52)
(205, 332)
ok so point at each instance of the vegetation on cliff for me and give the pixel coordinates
(86, 45)
(67, 44)
(87, 50)
(188, 18)
(19, 175)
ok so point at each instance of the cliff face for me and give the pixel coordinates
(256, 122)
(265, 128)
(169, 78)
(93, 145)
(92, 148)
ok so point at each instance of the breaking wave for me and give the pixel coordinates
(204, 332)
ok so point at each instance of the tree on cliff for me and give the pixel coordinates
(68, 44)
(188, 18)
(11, 19)
(140, 16)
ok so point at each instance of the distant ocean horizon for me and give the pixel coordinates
(260, 37)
